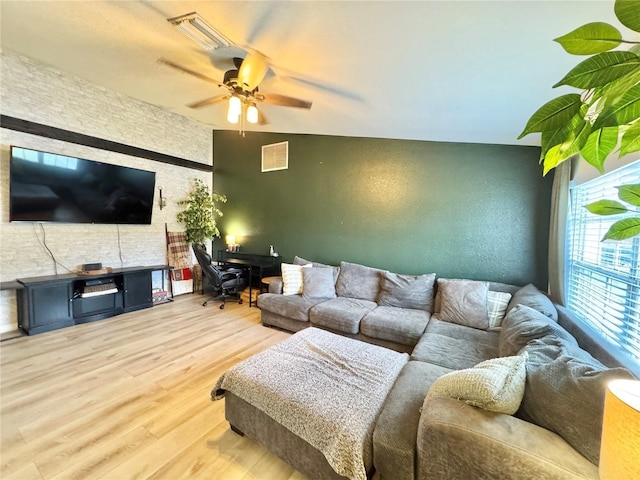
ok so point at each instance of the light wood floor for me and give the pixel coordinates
(128, 397)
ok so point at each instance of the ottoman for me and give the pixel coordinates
(312, 400)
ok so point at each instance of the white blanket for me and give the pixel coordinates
(325, 388)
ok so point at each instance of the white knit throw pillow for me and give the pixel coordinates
(496, 385)
(292, 278)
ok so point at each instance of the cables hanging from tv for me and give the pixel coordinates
(43, 244)
(119, 246)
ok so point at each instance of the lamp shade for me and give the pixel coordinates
(230, 239)
(620, 447)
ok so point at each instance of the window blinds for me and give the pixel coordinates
(603, 278)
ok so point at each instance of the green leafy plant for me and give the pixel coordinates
(590, 123)
(607, 111)
(625, 228)
(199, 216)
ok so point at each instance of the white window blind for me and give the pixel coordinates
(603, 278)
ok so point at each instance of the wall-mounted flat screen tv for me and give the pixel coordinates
(46, 187)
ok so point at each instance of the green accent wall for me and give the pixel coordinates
(459, 210)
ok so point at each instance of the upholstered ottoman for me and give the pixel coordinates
(312, 400)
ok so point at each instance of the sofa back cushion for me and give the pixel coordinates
(530, 296)
(522, 325)
(301, 261)
(407, 291)
(318, 283)
(565, 392)
(358, 281)
(464, 302)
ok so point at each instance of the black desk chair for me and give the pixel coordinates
(227, 283)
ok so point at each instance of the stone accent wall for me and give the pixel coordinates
(32, 91)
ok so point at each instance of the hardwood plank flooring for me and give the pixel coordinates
(128, 397)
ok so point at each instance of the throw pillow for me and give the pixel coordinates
(523, 324)
(292, 278)
(530, 296)
(497, 308)
(565, 393)
(496, 385)
(358, 281)
(407, 291)
(301, 261)
(318, 283)
(464, 302)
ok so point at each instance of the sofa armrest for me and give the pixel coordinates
(275, 286)
(458, 441)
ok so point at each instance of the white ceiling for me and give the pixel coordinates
(459, 71)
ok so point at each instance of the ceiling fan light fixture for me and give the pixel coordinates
(252, 113)
(235, 109)
(194, 27)
(232, 117)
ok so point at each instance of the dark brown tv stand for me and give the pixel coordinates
(54, 301)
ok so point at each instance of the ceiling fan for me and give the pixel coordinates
(242, 84)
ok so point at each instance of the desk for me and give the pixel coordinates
(257, 265)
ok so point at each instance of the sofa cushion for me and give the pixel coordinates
(400, 325)
(530, 296)
(340, 314)
(565, 392)
(497, 303)
(318, 283)
(455, 346)
(496, 385)
(291, 306)
(358, 281)
(301, 261)
(523, 324)
(292, 278)
(407, 291)
(396, 430)
(464, 302)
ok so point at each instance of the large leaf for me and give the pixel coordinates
(553, 115)
(613, 91)
(596, 37)
(577, 134)
(628, 12)
(630, 194)
(630, 140)
(601, 69)
(606, 207)
(626, 110)
(623, 229)
(599, 145)
(551, 138)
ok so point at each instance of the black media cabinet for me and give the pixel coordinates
(55, 301)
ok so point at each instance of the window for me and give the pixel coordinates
(603, 278)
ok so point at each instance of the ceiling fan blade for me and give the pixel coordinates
(284, 101)
(252, 70)
(190, 72)
(262, 118)
(208, 101)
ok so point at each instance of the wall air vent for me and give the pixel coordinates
(275, 156)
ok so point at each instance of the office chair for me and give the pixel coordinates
(226, 283)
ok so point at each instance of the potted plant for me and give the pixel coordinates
(605, 114)
(200, 213)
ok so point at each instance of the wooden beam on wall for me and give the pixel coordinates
(41, 130)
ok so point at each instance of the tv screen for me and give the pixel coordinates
(46, 187)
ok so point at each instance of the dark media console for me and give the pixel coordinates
(57, 301)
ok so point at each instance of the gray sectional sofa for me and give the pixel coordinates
(450, 325)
